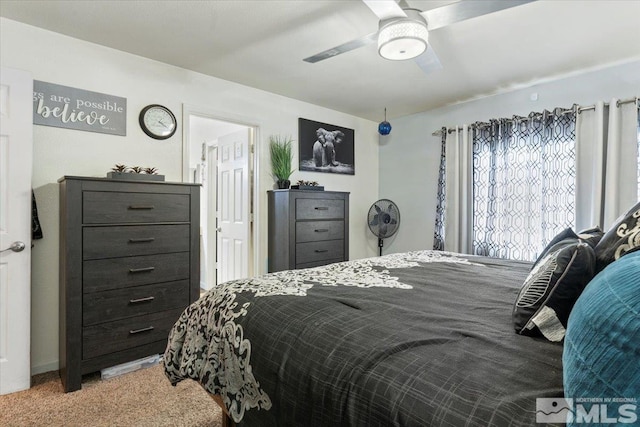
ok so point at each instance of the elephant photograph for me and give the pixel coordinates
(325, 148)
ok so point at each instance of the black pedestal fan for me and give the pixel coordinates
(383, 220)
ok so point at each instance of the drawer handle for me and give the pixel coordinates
(142, 207)
(321, 230)
(134, 301)
(137, 331)
(141, 270)
(322, 250)
(321, 208)
(142, 240)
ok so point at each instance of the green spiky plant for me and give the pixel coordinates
(281, 157)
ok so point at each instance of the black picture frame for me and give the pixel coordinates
(326, 148)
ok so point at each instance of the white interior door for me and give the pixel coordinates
(233, 206)
(211, 209)
(16, 154)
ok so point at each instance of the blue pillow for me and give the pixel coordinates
(601, 357)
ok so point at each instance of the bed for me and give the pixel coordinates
(422, 338)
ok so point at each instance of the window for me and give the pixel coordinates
(524, 177)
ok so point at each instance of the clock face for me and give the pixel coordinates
(158, 122)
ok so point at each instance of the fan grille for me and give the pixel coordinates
(383, 218)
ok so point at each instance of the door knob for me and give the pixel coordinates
(218, 229)
(15, 247)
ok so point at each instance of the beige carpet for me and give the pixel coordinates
(141, 398)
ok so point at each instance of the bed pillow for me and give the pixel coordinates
(567, 233)
(602, 345)
(591, 236)
(552, 288)
(622, 238)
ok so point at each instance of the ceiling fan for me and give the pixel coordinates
(403, 31)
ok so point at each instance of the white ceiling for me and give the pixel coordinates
(262, 43)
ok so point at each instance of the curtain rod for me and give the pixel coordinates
(577, 109)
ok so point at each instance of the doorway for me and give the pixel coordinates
(219, 155)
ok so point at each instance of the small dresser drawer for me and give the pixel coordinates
(105, 338)
(319, 208)
(112, 207)
(132, 240)
(116, 273)
(99, 307)
(318, 251)
(313, 231)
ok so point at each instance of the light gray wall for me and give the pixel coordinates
(63, 60)
(410, 155)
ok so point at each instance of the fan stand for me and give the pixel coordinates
(380, 243)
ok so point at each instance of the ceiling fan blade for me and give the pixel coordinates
(463, 10)
(345, 47)
(385, 9)
(428, 61)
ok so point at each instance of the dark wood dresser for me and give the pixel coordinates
(307, 228)
(129, 265)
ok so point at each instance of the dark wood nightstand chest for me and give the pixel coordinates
(129, 265)
(307, 228)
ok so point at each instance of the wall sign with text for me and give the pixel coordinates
(72, 108)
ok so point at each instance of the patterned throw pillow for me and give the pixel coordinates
(552, 288)
(591, 236)
(622, 238)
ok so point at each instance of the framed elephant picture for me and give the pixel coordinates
(325, 148)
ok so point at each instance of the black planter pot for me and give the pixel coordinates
(283, 184)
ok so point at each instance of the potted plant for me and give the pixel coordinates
(281, 159)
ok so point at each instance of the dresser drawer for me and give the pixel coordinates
(112, 207)
(319, 209)
(318, 251)
(99, 307)
(105, 338)
(131, 240)
(312, 231)
(115, 273)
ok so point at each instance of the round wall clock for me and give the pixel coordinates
(158, 121)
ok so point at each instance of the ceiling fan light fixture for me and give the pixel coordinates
(402, 39)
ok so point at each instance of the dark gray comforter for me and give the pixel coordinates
(415, 339)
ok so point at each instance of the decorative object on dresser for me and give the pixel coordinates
(307, 185)
(307, 228)
(134, 173)
(129, 265)
(281, 159)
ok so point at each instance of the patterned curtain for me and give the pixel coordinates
(438, 234)
(524, 173)
(638, 106)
